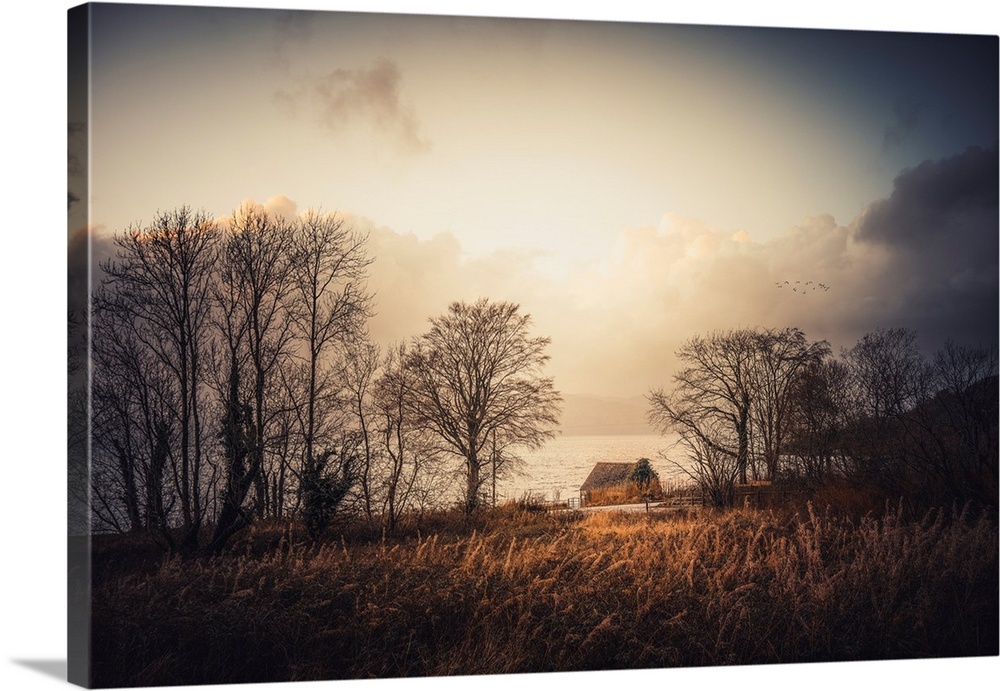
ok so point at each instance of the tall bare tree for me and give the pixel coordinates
(257, 262)
(406, 456)
(160, 284)
(133, 398)
(236, 431)
(888, 372)
(732, 402)
(329, 311)
(359, 369)
(710, 403)
(478, 373)
(888, 376)
(817, 423)
(780, 359)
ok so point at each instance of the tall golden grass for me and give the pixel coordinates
(519, 591)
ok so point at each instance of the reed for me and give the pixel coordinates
(524, 591)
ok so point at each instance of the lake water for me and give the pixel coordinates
(558, 469)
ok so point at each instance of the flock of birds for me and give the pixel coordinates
(799, 287)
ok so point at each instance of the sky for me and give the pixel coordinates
(629, 184)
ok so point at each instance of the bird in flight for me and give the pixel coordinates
(795, 286)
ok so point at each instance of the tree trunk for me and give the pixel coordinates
(472, 489)
(743, 440)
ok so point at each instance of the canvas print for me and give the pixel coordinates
(410, 346)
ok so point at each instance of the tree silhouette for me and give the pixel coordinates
(257, 275)
(331, 307)
(159, 287)
(476, 376)
(780, 358)
(712, 394)
(732, 402)
(405, 452)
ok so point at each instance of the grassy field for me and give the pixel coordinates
(515, 590)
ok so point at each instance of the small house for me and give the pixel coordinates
(604, 478)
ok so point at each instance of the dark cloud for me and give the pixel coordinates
(939, 201)
(941, 230)
(369, 96)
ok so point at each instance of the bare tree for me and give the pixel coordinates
(160, 284)
(257, 265)
(478, 373)
(330, 311)
(133, 399)
(236, 431)
(888, 373)
(817, 424)
(950, 438)
(779, 359)
(359, 367)
(732, 402)
(710, 403)
(888, 377)
(405, 451)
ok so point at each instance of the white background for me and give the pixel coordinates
(32, 335)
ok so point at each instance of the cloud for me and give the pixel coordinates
(940, 226)
(280, 205)
(939, 201)
(924, 258)
(668, 283)
(370, 96)
(415, 279)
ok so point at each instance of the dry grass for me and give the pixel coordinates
(521, 591)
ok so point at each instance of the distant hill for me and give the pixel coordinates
(604, 415)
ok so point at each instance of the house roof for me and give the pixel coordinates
(607, 475)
